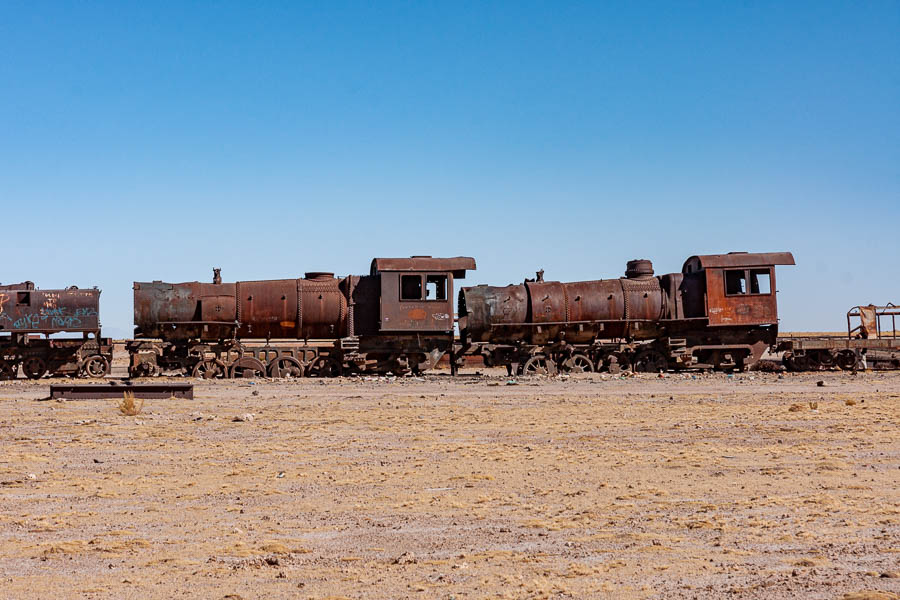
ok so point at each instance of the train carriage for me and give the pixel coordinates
(30, 316)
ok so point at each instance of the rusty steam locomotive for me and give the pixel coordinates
(719, 312)
(29, 316)
(398, 318)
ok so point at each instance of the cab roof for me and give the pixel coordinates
(458, 264)
(736, 259)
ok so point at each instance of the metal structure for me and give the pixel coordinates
(398, 318)
(719, 312)
(117, 390)
(30, 316)
(867, 345)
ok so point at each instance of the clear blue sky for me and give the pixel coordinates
(154, 141)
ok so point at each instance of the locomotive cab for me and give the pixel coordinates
(739, 287)
(417, 292)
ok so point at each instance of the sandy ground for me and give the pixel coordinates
(752, 486)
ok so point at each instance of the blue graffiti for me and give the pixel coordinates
(56, 318)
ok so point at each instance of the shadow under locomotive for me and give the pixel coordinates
(719, 312)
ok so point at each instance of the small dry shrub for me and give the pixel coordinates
(814, 406)
(850, 402)
(129, 407)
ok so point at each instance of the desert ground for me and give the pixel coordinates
(756, 485)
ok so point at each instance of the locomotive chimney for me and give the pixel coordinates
(639, 269)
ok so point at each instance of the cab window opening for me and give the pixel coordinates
(410, 287)
(735, 282)
(436, 287)
(760, 281)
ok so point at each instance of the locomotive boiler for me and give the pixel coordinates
(29, 316)
(398, 318)
(720, 311)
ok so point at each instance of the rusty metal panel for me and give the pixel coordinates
(738, 309)
(692, 295)
(27, 310)
(25, 285)
(366, 306)
(177, 310)
(600, 300)
(483, 307)
(868, 322)
(323, 307)
(736, 259)
(548, 302)
(268, 309)
(414, 314)
(643, 299)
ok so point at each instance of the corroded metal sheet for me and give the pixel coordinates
(28, 310)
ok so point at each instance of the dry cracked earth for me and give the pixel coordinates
(752, 486)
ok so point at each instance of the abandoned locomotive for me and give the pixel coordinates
(29, 316)
(719, 312)
(399, 318)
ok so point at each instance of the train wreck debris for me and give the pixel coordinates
(147, 391)
(868, 344)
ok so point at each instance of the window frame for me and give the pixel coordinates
(771, 276)
(421, 287)
(747, 281)
(446, 279)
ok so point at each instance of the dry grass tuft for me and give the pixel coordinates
(850, 402)
(129, 407)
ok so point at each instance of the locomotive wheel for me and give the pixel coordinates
(143, 370)
(825, 359)
(650, 361)
(285, 366)
(34, 367)
(579, 363)
(247, 367)
(96, 366)
(800, 363)
(538, 365)
(209, 369)
(7, 371)
(324, 366)
(846, 360)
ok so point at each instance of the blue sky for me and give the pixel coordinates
(154, 141)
